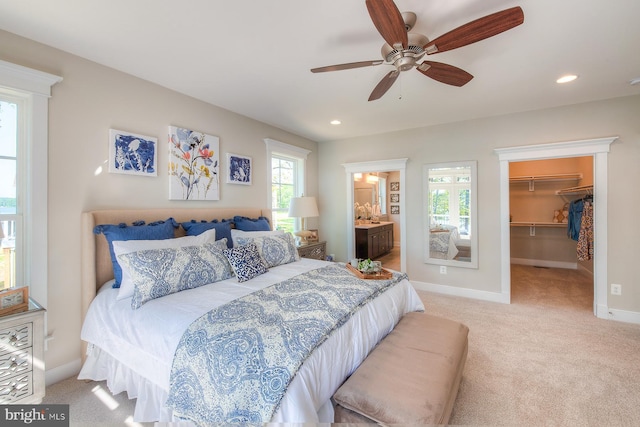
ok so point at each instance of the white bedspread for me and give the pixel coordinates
(133, 349)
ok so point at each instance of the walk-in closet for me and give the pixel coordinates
(551, 223)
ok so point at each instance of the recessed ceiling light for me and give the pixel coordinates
(335, 122)
(635, 81)
(566, 79)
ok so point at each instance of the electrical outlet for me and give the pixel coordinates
(616, 289)
(443, 269)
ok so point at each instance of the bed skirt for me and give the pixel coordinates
(101, 366)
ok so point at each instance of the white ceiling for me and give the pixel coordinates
(253, 56)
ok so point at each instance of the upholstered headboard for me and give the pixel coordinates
(96, 261)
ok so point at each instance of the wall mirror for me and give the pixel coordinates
(450, 214)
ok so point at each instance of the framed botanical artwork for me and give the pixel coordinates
(394, 197)
(239, 169)
(394, 186)
(193, 165)
(395, 210)
(132, 154)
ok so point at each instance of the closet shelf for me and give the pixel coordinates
(532, 225)
(576, 191)
(537, 224)
(531, 179)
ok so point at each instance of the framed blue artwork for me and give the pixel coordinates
(239, 171)
(132, 154)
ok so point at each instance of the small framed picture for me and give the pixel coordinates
(395, 198)
(14, 300)
(395, 210)
(313, 237)
(132, 154)
(239, 169)
(394, 186)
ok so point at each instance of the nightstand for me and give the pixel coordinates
(314, 250)
(22, 356)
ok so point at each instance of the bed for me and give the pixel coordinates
(134, 349)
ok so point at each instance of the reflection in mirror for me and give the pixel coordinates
(450, 214)
(370, 197)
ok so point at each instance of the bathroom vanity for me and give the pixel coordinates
(374, 240)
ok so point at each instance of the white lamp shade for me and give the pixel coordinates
(303, 207)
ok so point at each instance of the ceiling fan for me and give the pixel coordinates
(405, 50)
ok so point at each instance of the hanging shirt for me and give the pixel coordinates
(575, 219)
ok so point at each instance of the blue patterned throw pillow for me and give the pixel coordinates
(160, 272)
(275, 250)
(246, 262)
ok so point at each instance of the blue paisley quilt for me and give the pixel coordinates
(234, 364)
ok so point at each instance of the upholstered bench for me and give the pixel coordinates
(410, 377)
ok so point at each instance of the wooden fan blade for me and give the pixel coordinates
(477, 30)
(384, 85)
(389, 23)
(445, 73)
(348, 66)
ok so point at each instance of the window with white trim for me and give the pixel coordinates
(25, 93)
(11, 236)
(287, 177)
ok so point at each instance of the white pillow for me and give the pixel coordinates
(127, 246)
(239, 233)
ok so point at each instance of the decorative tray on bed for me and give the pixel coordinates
(381, 275)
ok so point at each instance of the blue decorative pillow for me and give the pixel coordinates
(275, 250)
(223, 229)
(160, 272)
(248, 224)
(158, 230)
(246, 262)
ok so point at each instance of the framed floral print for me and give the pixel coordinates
(193, 165)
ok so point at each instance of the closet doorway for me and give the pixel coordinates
(550, 262)
(598, 149)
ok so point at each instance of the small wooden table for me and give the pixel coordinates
(314, 250)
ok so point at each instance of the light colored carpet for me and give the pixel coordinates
(543, 360)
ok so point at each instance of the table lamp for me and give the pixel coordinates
(303, 208)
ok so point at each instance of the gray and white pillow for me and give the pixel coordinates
(275, 249)
(160, 272)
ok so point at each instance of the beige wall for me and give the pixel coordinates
(90, 100)
(476, 140)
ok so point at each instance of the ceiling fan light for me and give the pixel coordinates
(567, 78)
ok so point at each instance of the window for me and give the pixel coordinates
(287, 177)
(10, 212)
(24, 97)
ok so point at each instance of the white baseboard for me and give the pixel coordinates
(603, 312)
(462, 292)
(55, 375)
(619, 315)
(545, 263)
